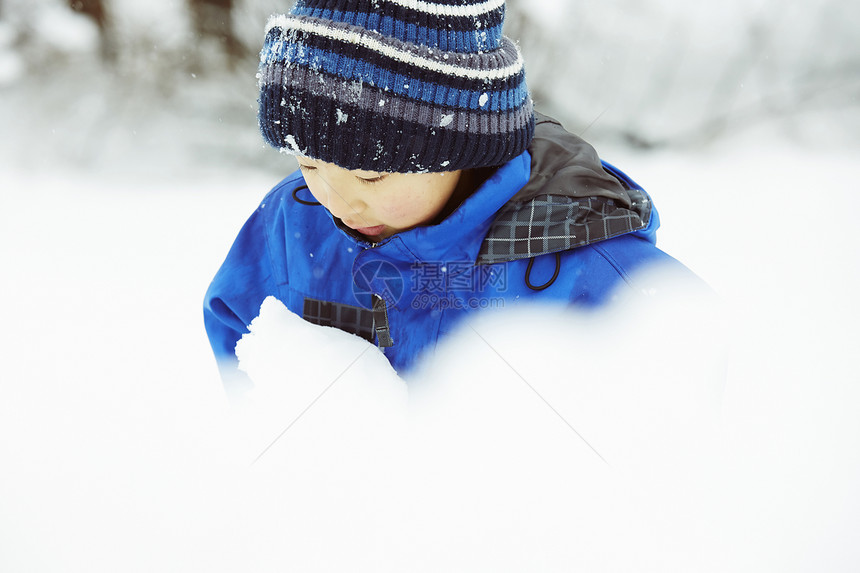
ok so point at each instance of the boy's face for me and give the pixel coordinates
(378, 205)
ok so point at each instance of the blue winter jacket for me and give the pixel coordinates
(554, 224)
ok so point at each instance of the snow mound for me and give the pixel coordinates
(543, 439)
(284, 353)
(527, 441)
(321, 387)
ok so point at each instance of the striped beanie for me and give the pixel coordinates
(398, 86)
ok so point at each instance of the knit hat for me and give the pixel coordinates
(395, 85)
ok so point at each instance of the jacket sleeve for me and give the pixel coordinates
(234, 297)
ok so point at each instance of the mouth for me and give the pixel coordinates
(368, 231)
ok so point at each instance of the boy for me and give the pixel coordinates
(427, 188)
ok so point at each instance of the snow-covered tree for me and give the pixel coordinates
(670, 72)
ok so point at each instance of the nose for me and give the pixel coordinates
(345, 208)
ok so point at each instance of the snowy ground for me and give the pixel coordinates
(120, 451)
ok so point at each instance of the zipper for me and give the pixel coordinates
(380, 322)
(380, 316)
(380, 319)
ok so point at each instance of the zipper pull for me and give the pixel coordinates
(380, 322)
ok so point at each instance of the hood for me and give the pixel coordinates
(572, 199)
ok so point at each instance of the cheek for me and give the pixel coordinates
(318, 191)
(411, 210)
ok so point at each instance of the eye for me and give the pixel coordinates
(307, 168)
(371, 180)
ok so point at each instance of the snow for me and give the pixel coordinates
(472, 450)
(292, 146)
(122, 452)
(64, 30)
(11, 68)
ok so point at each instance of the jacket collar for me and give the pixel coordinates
(571, 199)
(460, 235)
